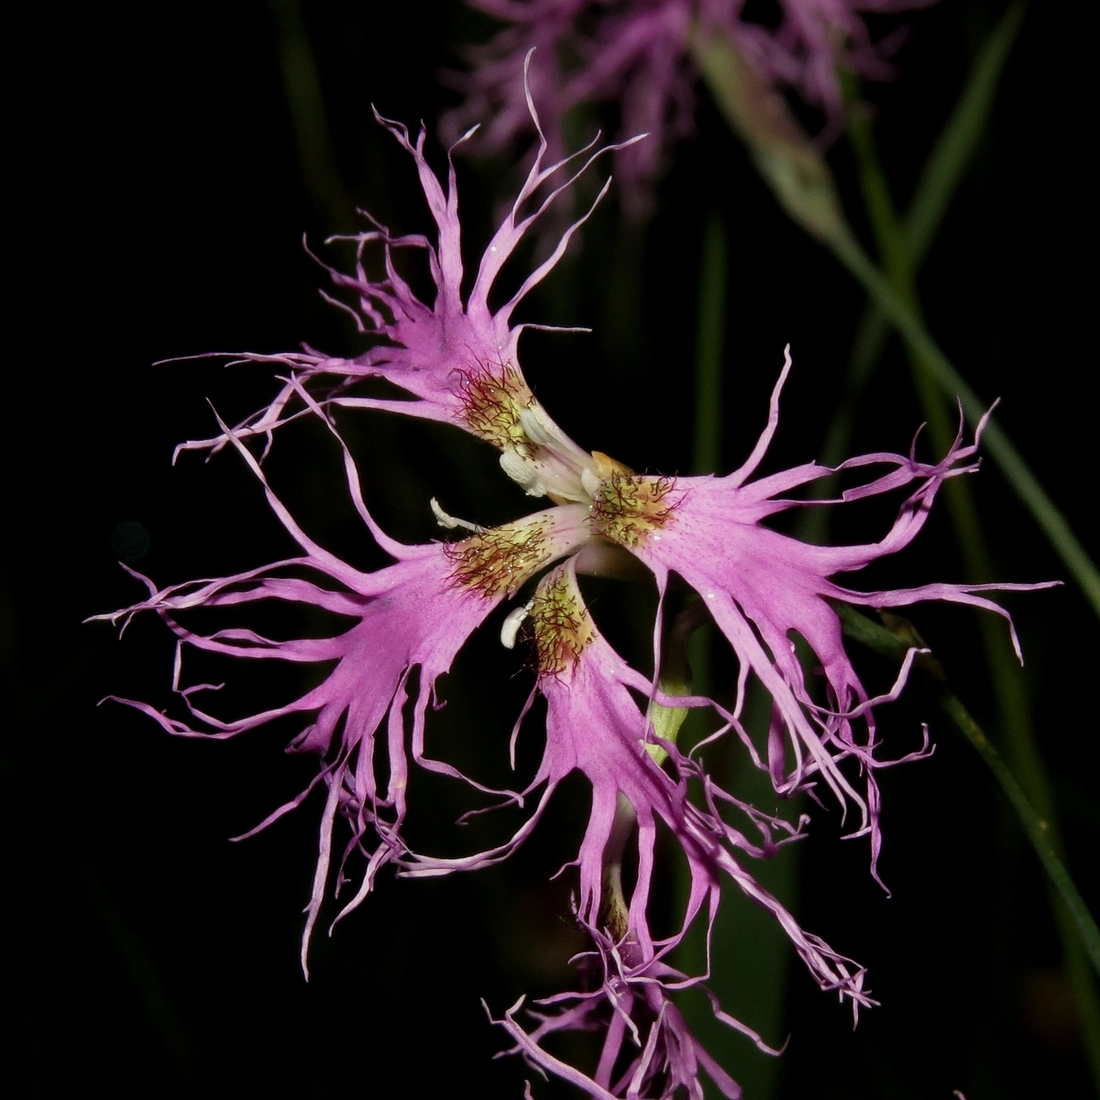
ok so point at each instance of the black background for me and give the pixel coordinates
(159, 209)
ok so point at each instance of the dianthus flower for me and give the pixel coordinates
(455, 358)
(405, 623)
(638, 54)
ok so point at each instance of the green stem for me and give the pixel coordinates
(939, 180)
(921, 345)
(888, 643)
(952, 152)
(803, 185)
(1009, 690)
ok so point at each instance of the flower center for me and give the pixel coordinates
(627, 508)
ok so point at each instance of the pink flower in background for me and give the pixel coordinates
(637, 54)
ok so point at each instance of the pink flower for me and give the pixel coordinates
(415, 614)
(638, 55)
(405, 623)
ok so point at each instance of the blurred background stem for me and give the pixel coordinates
(939, 181)
(1013, 704)
(803, 185)
(710, 336)
(1076, 927)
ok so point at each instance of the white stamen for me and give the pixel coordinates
(551, 463)
(451, 522)
(539, 429)
(512, 623)
(523, 472)
(590, 481)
